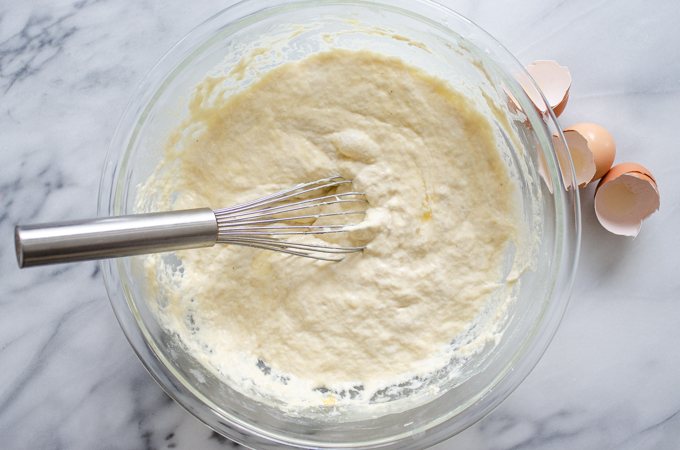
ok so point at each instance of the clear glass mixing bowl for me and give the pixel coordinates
(444, 44)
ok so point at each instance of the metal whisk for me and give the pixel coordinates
(260, 224)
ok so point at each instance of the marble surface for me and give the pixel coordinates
(69, 379)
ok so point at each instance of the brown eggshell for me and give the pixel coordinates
(563, 154)
(513, 104)
(553, 80)
(543, 169)
(626, 196)
(581, 157)
(559, 108)
(600, 143)
(632, 168)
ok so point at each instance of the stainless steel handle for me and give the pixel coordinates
(112, 237)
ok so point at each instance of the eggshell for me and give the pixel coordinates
(581, 157)
(626, 196)
(513, 104)
(543, 169)
(628, 168)
(563, 153)
(553, 80)
(598, 141)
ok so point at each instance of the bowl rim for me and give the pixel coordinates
(567, 248)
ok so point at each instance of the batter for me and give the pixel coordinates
(440, 216)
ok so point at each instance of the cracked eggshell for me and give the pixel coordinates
(592, 150)
(543, 169)
(513, 104)
(563, 153)
(581, 158)
(626, 196)
(553, 80)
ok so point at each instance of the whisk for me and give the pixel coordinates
(261, 223)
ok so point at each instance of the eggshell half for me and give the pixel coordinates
(563, 153)
(553, 80)
(543, 169)
(598, 141)
(581, 157)
(513, 104)
(626, 196)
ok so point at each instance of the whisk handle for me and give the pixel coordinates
(112, 237)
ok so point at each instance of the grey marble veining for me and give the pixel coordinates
(69, 379)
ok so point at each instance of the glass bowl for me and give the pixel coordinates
(444, 44)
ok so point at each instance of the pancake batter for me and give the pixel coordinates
(441, 214)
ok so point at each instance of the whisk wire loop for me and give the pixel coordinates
(260, 223)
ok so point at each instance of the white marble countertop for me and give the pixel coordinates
(69, 379)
